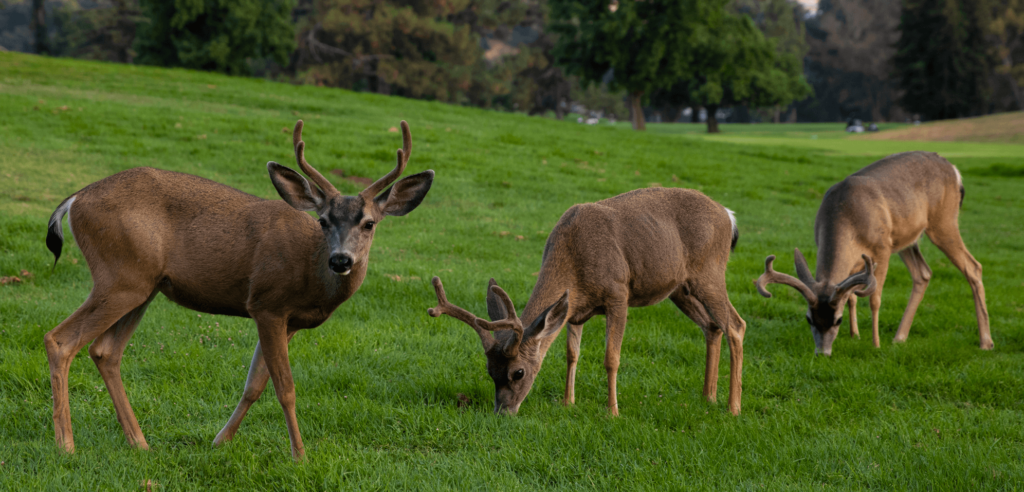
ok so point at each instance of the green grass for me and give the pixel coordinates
(378, 383)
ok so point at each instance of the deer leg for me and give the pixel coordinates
(851, 303)
(712, 337)
(106, 352)
(949, 241)
(615, 325)
(572, 354)
(921, 274)
(875, 300)
(255, 383)
(101, 310)
(273, 334)
(716, 303)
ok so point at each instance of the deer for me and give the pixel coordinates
(214, 249)
(882, 209)
(631, 250)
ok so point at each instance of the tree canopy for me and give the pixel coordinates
(216, 35)
(645, 45)
(942, 60)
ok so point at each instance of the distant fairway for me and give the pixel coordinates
(378, 385)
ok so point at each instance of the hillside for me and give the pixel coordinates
(996, 128)
(389, 398)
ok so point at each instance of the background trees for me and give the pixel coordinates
(643, 44)
(215, 35)
(942, 59)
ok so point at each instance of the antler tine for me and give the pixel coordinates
(770, 276)
(445, 307)
(403, 158)
(865, 277)
(300, 157)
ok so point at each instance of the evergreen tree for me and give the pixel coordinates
(215, 35)
(645, 45)
(942, 60)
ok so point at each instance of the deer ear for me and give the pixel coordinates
(554, 318)
(405, 195)
(294, 189)
(495, 307)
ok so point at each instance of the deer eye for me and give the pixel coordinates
(323, 223)
(516, 376)
(369, 226)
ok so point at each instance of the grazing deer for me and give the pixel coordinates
(216, 250)
(631, 250)
(863, 219)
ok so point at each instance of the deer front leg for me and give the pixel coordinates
(615, 326)
(572, 354)
(273, 333)
(255, 383)
(875, 300)
(851, 303)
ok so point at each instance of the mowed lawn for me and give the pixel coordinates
(378, 384)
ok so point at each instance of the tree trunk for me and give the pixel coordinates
(673, 114)
(636, 111)
(39, 27)
(712, 119)
(695, 114)
(776, 117)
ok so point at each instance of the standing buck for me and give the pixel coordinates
(217, 250)
(874, 212)
(634, 249)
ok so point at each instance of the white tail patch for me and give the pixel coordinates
(732, 215)
(70, 229)
(959, 179)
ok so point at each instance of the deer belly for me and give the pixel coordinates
(205, 299)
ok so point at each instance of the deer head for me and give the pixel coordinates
(825, 301)
(513, 358)
(348, 222)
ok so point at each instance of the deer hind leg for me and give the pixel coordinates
(101, 310)
(572, 355)
(851, 303)
(949, 241)
(255, 383)
(106, 352)
(273, 333)
(615, 326)
(875, 300)
(921, 275)
(716, 302)
(694, 310)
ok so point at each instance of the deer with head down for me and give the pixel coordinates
(881, 209)
(631, 250)
(214, 249)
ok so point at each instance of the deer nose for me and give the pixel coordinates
(340, 263)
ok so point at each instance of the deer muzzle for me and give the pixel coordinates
(341, 263)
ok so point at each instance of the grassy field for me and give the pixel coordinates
(378, 384)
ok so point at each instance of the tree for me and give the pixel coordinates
(942, 60)
(781, 21)
(215, 35)
(42, 38)
(105, 32)
(735, 64)
(645, 45)
(1005, 26)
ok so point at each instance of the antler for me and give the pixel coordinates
(865, 277)
(480, 325)
(770, 276)
(300, 156)
(403, 157)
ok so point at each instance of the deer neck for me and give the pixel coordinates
(549, 288)
(837, 260)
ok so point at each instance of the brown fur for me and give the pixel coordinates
(879, 210)
(217, 250)
(632, 250)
